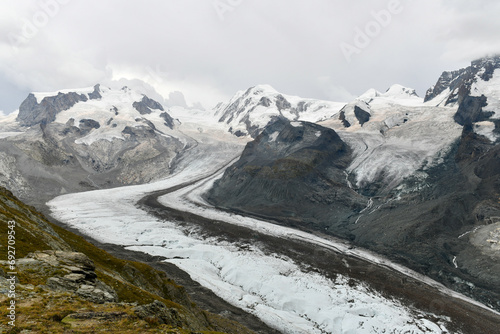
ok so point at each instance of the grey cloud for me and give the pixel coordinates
(193, 47)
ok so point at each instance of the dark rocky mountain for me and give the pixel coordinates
(444, 224)
(293, 171)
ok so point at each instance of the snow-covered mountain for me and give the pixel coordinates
(428, 172)
(248, 112)
(79, 139)
(392, 126)
(414, 180)
(476, 92)
(396, 93)
(453, 86)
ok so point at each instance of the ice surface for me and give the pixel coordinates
(398, 140)
(9, 134)
(486, 129)
(8, 125)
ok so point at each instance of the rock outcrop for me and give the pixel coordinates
(69, 272)
(291, 170)
(32, 113)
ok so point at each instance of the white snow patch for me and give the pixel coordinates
(274, 136)
(296, 124)
(490, 89)
(486, 129)
(9, 134)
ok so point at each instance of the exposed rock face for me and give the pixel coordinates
(169, 121)
(362, 115)
(146, 104)
(448, 80)
(32, 113)
(344, 120)
(75, 274)
(459, 82)
(355, 112)
(282, 103)
(291, 170)
(159, 312)
(86, 125)
(471, 111)
(96, 94)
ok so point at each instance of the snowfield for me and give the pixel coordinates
(270, 286)
(402, 131)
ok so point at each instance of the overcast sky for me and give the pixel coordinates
(209, 49)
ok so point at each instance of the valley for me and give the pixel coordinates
(279, 274)
(285, 214)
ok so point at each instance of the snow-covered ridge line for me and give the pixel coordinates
(41, 95)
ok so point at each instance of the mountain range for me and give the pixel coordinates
(416, 180)
(77, 140)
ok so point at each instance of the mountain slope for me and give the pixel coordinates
(290, 163)
(56, 270)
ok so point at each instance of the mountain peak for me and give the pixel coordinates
(43, 108)
(263, 89)
(397, 90)
(248, 112)
(453, 86)
(369, 95)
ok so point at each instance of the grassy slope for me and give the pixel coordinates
(42, 311)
